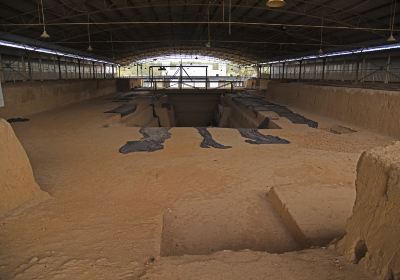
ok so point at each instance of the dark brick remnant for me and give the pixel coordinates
(258, 104)
(123, 110)
(208, 141)
(153, 140)
(255, 137)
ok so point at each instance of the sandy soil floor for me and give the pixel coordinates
(104, 220)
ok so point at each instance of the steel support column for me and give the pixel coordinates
(180, 77)
(40, 68)
(271, 71)
(1, 70)
(59, 68)
(206, 78)
(301, 63)
(29, 67)
(79, 69)
(387, 72)
(357, 70)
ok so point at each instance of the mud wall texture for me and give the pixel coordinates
(237, 115)
(256, 83)
(17, 184)
(373, 230)
(194, 109)
(25, 98)
(127, 84)
(376, 110)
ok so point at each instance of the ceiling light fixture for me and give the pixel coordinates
(51, 51)
(88, 30)
(44, 34)
(276, 3)
(391, 38)
(321, 37)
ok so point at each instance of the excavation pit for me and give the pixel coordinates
(214, 110)
(231, 223)
(201, 109)
(194, 109)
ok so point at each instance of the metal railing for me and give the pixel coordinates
(182, 79)
(194, 82)
(33, 67)
(377, 68)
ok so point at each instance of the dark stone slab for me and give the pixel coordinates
(264, 124)
(258, 104)
(123, 110)
(17, 119)
(153, 140)
(208, 141)
(255, 137)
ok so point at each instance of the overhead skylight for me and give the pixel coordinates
(52, 52)
(339, 53)
(185, 58)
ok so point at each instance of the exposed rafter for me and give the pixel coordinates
(259, 33)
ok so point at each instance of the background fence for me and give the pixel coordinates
(366, 68)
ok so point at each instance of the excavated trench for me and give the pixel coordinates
(194, 109)
(156, 112)
(198, 109)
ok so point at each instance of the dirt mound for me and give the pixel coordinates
(17, 184)
(374, 228)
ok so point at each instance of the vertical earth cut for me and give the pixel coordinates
(17, 184)
(373, 230)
